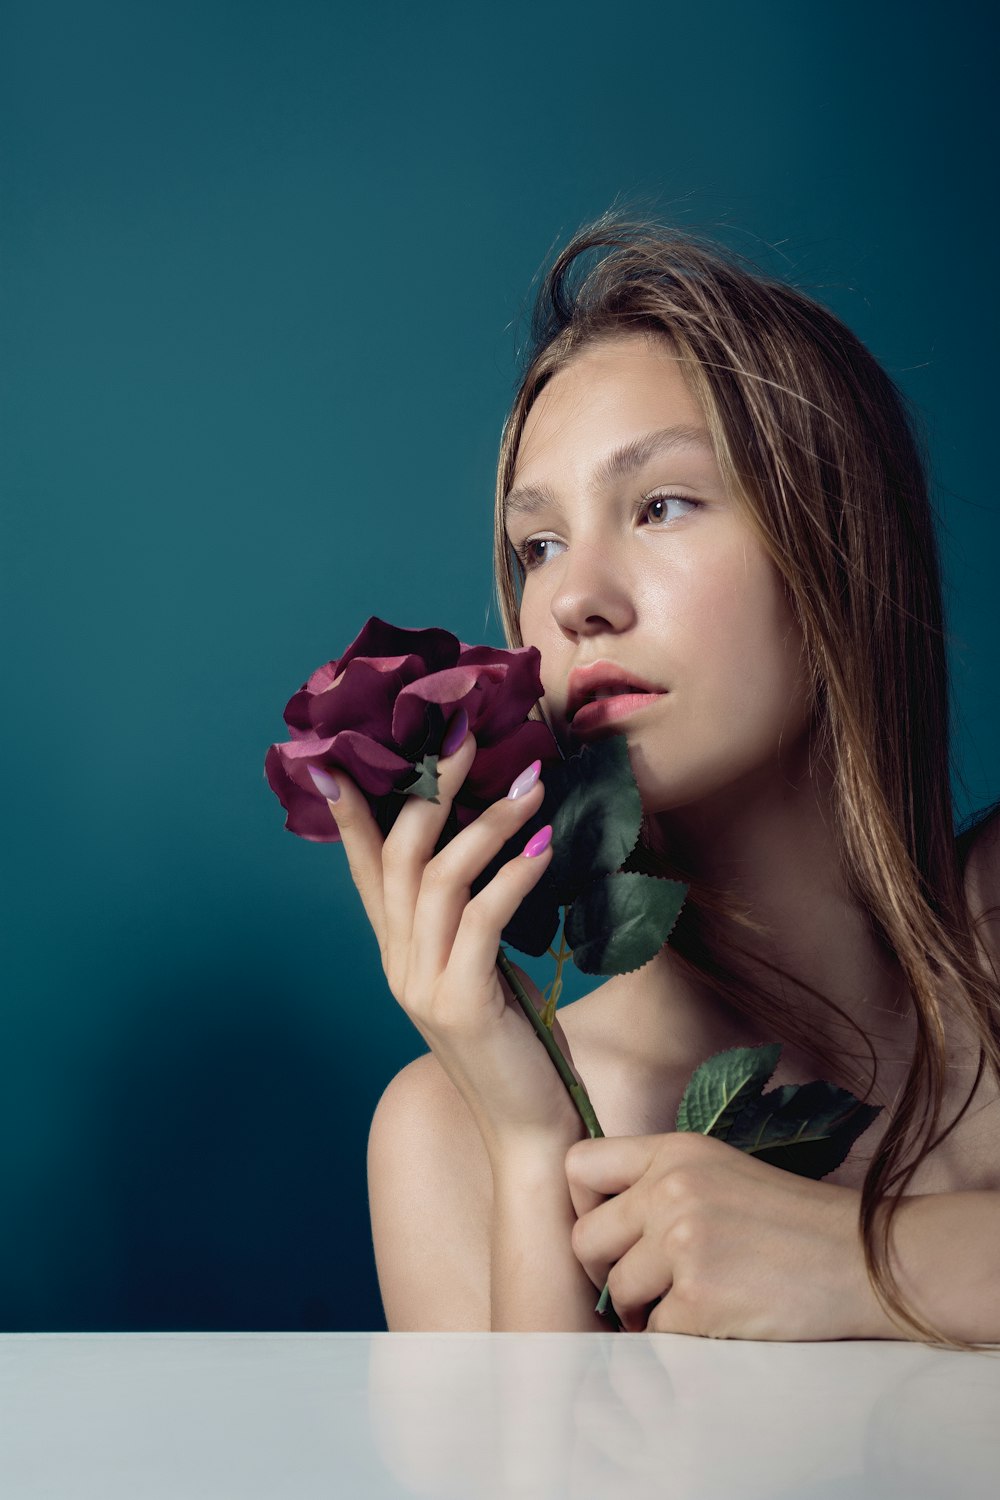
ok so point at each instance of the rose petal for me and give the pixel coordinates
(362, 699)
(509, 687)
(375, 768)
(325, 677)
(495, 766)
(436, 648)
(308, 815)
(309, 711)
(321, 679)
(412, 723)
(385, 701)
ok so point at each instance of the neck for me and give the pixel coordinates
(772, 849)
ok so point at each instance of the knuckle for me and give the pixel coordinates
(394, 979)
(682, 1235)
(394, 846)
(688, 1292)
(356, 868)
(419, 1008)
(449, 1017)
(436, 874)
(477, 916)
(680, 1185)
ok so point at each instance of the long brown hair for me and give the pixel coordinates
(820, 448)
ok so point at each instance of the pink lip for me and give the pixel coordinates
(609, 710)
(585, 681)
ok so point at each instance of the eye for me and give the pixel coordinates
(650, 500)
(530, 558)
(526, 554)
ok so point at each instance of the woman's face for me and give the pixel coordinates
(636, 557)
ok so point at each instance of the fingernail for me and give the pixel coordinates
(525, 781)
(458, 728)
(539, 842)
(324, 783)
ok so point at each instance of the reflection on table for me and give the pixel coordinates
(458, 1416)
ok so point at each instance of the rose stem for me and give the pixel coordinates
(577, 1092)
(555, 990)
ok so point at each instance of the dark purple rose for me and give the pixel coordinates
(385, 704)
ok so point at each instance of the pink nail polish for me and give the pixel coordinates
(539, 843)
(324, 783)
(525, 781)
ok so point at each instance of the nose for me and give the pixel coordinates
(593, 594)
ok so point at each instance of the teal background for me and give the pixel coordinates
(265, 270)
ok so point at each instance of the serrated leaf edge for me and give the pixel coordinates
(753, 1094)
(629, 874)
(757, 1092)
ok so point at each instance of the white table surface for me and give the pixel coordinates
(465, 1415)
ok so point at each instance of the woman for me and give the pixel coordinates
(712, 521)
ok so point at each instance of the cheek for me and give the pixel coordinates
(751, 645)
(536, 626)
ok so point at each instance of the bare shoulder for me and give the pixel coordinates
(429, 1196)
(430, 1187)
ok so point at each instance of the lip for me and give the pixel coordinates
(593, 716)
(584, 681)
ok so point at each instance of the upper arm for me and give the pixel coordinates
(429, 1202)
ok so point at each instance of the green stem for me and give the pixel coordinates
(576, 1090)
(555, 989)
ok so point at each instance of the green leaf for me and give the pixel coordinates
(622, 921)
(806, 1128)
(594, 806)
(533, 926)
(720, 1088)
(642, 861)
(425, 781)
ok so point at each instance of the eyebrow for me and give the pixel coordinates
(528, 499)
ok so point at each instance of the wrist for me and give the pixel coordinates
(532, 1157)
(867, 1318)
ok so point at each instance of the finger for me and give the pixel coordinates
(638, 1280)
(472, 959)
(410, 845)
(585, 1200)
(609, 1164)
(362, 841)
(677, 1314)
(608, 1232)
(443, 900)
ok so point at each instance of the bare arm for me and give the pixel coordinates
(537, 1282)
(946, 1256)
(428, 1196)
(460, 1245)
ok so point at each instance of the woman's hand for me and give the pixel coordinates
(439, 950)
(734, 1247)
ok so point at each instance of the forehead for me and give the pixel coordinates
(606, 393)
